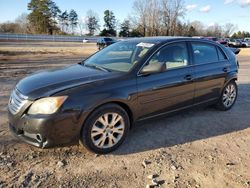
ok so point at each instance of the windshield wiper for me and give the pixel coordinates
(97, 67)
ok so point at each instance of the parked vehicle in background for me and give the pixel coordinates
(85, 40)
(247, 39)
(215, 39)
(223, 41)
(218, 40)
(246, 42)
(198, 37)
(104, 42)
(234, 43)
(98, 100)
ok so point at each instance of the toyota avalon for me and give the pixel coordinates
(98, 100)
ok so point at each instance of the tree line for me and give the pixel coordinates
(148, 18)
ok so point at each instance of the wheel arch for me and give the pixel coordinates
(119, 103)
(231, 77)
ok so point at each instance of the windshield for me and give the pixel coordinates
(121, 56)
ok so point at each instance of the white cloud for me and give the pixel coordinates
(211, 24)
(191, 7)
(244, 3)
(205, 9)
(228, 1)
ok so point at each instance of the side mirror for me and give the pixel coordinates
(153, 68)
(236, 51)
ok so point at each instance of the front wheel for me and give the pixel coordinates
(228, 96)
(105, 129)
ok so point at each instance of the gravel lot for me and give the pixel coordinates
(202, 147)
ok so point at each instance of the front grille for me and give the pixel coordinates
(17, 101)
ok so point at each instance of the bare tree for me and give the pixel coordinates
(81, 25)
(140, 15)
(154, 21)
(229, 28)
(172, 11)
(23, 23)
(158, 17)
(214, 30)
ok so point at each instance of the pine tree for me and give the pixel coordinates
(64, 20)
(125, 29)
(55, 11)
(92, 22)
(110, 24)
(43, 16)
(73, 19)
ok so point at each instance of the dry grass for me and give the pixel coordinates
(35, 49)
(245, 52)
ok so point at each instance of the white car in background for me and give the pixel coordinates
(246, 42)
(85, 40)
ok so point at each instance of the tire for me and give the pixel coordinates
(225, 96)
(100, 138)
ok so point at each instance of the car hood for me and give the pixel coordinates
(46, 83)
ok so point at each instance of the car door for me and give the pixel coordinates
(210, 69)
(168, 90)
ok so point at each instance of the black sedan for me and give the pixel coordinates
(98, 100)
(104, 42)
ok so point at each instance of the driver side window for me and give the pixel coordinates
(173, 56)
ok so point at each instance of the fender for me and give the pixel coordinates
(231, 76)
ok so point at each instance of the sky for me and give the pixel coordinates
(208, 12)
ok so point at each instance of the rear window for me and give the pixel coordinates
(221, 55)
(204, 53)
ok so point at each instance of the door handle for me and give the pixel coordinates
(188, 77)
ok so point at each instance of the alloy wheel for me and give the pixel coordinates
(107, 130)
(229, 95)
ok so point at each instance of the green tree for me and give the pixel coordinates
(125, 29)
(55, 11)
(73, 19)
(192, 31)
(40, 16)
(64, 20)
(136, 33)
(92, 22)
(240, 35)
(109, 24)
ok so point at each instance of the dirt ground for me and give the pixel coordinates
(198, 148)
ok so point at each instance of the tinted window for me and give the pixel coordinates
(204, 53)
(221, 55)
(108, 39)
(174, 56)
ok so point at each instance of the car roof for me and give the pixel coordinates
(166, 39)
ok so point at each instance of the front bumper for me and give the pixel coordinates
(46, 131)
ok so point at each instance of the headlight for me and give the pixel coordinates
(47, 105)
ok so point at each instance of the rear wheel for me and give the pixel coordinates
(105, 129)
(228, 96)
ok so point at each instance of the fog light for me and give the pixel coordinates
(39, 138)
